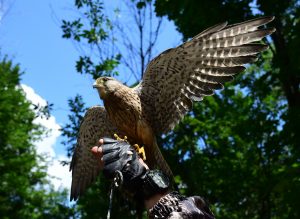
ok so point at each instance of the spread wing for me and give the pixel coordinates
(84, 165)
(187, 73)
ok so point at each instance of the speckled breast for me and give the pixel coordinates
(124, 110)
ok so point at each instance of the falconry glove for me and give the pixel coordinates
(117, 155)
(137, 180)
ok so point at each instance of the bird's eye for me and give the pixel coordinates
(105, 79)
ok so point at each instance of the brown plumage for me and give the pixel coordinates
(172, 81)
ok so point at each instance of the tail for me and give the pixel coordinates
(157, 160)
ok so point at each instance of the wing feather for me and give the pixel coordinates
(179, 76)
(84, 165)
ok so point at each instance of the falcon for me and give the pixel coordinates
(171, 83)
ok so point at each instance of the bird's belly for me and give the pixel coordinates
(133, 126)
(137, 131)
(125, 111)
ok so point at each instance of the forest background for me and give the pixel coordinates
(241, 146)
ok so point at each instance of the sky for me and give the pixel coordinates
(31, 36)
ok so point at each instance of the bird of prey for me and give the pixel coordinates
(171, 83)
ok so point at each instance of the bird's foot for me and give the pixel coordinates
(118, 138)
(140, 151)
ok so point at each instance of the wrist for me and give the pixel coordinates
(148, 187)
(154, 182)
(155, 186)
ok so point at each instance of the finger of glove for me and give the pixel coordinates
(117, 146)
(107, 140)
(109, 150)
(110, 147)
(117, 158)
(111, 157)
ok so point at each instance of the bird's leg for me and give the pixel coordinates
(140, 151)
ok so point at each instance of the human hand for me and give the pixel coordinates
(138, 180)
(97, 150)
(115, 155)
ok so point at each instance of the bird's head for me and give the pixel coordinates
(105, 85)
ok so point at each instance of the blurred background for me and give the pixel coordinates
(241, 147)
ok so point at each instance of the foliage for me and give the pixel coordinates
(244, 139)
(24, 190)
(242, 143)
(70, 130)
(93, 29)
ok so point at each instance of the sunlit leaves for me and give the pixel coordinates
(105, 68)
(92, 31)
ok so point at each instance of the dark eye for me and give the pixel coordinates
(105, 79)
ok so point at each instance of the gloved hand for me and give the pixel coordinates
(137, 178)
(121, 156)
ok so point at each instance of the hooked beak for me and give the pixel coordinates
(98, 84)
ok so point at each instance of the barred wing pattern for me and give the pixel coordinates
(84, 165)
(187, 73)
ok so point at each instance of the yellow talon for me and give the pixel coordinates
(119, 138)
(140, 151)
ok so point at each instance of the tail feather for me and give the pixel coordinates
(156, 160)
